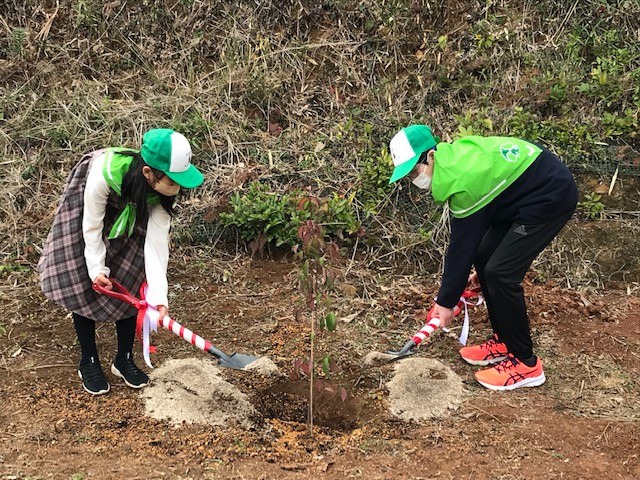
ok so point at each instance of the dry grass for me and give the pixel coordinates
(258, 87)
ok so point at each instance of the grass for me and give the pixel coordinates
(304, 96)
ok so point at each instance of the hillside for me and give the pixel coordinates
(290, 106)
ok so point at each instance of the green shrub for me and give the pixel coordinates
(374, 174)
(569, 139)
(473, 123)
(276, 217)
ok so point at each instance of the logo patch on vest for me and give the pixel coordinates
(510, 152)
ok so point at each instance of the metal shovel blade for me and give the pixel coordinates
(404, 351)
(236, 360)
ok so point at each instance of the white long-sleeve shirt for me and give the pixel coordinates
(156, 244)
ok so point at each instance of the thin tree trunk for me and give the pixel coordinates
(311, 364)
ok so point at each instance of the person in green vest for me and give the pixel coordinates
(508, 199)
(113, 221)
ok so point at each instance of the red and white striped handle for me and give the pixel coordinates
(184, 333)
(434, 323)
(426, 331)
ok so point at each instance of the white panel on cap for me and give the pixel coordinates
(401, 150)
(180, 153)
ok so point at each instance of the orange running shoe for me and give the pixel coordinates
(490, 352)
(510, 374)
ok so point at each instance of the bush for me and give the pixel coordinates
(276, 217)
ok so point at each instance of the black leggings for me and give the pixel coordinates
(86, 330)
(503, 258)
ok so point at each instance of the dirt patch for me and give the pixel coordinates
(423, 389)
(193, 391)
(581, 424)
(289, 401)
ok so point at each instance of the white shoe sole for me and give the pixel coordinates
(529, 382)
(117, 373)
(484, 363)
(99, 392)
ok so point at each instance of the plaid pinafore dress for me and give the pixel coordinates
(63, 271)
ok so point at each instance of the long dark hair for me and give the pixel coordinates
(135, 188)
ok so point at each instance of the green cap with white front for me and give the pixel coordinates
(170, 152)
(406, 147)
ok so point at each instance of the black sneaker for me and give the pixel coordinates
(124, 368)
(93, 379)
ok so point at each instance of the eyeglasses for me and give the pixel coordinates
(160, 176)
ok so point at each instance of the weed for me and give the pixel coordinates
(381, 321)
(374, 174)
(17, 42)
(474, 123)
(621, 123)
(86, 13)
(11, 267)
(592, 208)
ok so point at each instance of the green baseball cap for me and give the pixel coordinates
(170, 152)
(406, 147)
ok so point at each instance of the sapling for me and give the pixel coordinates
(316, 281)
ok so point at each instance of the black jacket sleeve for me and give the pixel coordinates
(466, 235)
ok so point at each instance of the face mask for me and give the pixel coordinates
(422, 181)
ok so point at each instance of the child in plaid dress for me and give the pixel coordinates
(113, 220)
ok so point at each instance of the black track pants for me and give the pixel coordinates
(503, 258)
(86, 330)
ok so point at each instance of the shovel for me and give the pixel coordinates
(236, 360)
(431, 326)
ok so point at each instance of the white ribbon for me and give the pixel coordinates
(149, 323)
(464, 334)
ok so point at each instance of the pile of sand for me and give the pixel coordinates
(263, 366)
(193, 391)
(423, 389)
(376, 359)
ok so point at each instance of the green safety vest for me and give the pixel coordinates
(469, 173)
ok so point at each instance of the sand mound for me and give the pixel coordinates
(423, 389)
(193, 391)
(263, 366)
(376, 359)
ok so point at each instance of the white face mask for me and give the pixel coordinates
(422, 181)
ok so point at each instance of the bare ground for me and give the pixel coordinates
(582, 424)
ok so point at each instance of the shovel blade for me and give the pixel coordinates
(405, 351)
(237, 361)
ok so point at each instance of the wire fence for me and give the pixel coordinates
(607, 160)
